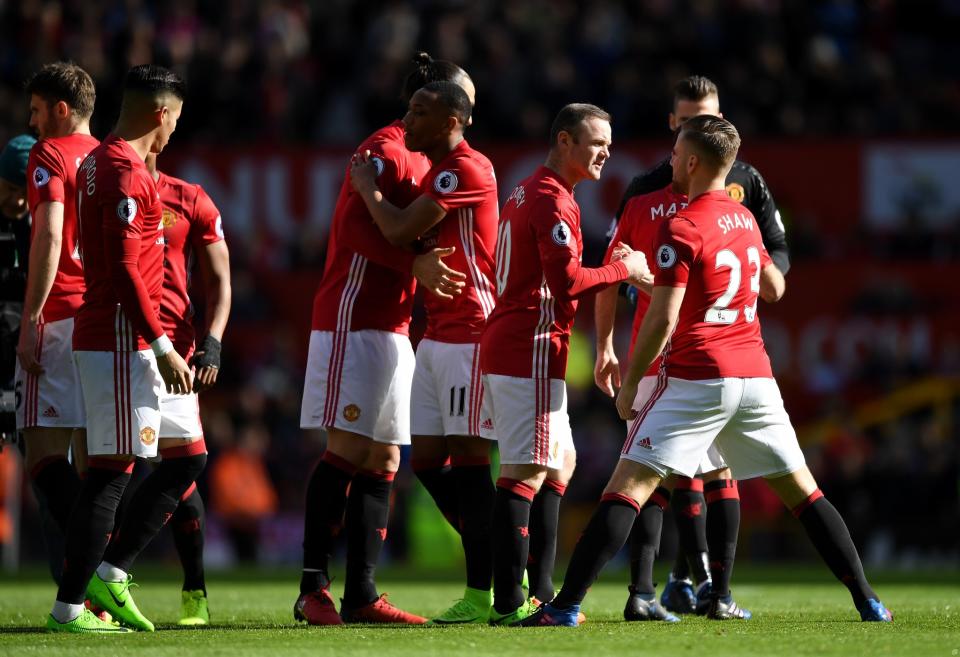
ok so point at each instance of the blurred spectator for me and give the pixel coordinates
(241, 491)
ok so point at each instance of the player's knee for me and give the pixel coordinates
(470, 447)
(718, 475)
(382, 457)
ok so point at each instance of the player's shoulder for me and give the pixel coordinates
(47, 158)
(386, 140)
(468, 163)
(746, 176)
(642, 203)
(652, 180)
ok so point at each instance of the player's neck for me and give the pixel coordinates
(140, 141)
(73, 128)
(441, 151)
(566, 173)
(699, 187)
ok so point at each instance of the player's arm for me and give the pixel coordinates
(760, 202)
(215, 268)
(121, 249)
(658, 324)
(399, 226)
(772, 283)
(606, 370)
(45, 249)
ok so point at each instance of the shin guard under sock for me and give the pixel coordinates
(154, 503)
(830, 536)
(91, 524)
(511, 542)
(645, 541)
(187, 525)
(544, 519)
(605, 534)
(723, 527)
(323, 518)
(368, 508)
(476, 496)
(437, 477)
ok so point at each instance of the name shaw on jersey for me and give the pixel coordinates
(728, 222)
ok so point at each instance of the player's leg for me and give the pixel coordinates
(180, 432)
(475, 496)
(50, 471)
(642, 602)
(670, 433)
(544, 520)
(122, 417)
(760, 442)
(829, 534)
(530, 420)
(723, 528)
(692, 562)
(431, 402)
(629, 488)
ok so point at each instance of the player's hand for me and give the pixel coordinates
(27, 347)
(606, 372)
(637, 268)
(363, 171)
(429, 269)
(625, 399)
(206, 360)
(620, 251)
(175, 373)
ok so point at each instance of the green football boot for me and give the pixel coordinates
(473, 607)
(115, 597)
(85, 623)
(514, 617)
(193, 608)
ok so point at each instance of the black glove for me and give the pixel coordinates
(208, 355)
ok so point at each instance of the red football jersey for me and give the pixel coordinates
(368, 283)
(190, 222)
(715, 250)
(463, 184)
(52, 175)
(539, 280)
(121, 243)
(638, 228)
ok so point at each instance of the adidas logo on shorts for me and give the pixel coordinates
(644, 443)
(487, 424)
(51, 412)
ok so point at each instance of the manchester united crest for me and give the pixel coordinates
(351, 412)
(735, 191)
(147, 436)
(169, 218)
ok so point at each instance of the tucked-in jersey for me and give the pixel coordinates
(539, 280)
(190, 222)
(715, 250)
(745, 185)
(463, 183)
(367, 282)
(121, 242)
(638, 227)
(52, 177)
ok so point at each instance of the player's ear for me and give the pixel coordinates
(673, 122)
(61, 110)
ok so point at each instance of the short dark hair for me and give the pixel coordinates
(714, 139)
(67, 82)
(569, 118)
(151, 80)
(694, 88)
(427, 70)
(453, 97)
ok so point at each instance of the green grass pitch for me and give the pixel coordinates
(797, 611)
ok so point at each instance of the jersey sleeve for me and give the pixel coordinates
(567, 278)
(649, 181)
(206, 226)
(461, 183)
(122, 219)
(678, 247)
(759, 201)
(45, 172)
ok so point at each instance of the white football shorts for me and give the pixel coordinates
(53, 399)
(179, 415)
(121, 395)
(359, 381)
(678, 420)
(529, 418)
(447, 397)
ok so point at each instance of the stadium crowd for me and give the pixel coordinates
(323, 72)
